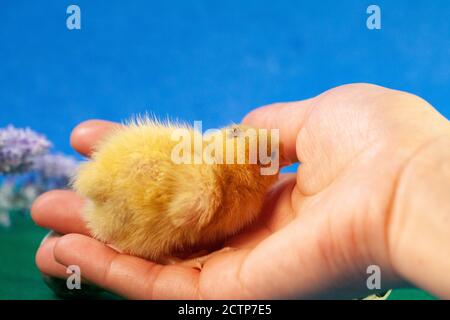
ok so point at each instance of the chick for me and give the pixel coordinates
(146, 202)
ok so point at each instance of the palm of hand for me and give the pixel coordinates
(319, 229)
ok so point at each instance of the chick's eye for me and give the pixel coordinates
(234, 133)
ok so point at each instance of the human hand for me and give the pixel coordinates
(320, 228)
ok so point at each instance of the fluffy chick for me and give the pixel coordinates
(144, 204)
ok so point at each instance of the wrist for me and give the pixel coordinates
(419, 228)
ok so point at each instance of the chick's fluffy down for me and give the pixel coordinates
(144, 204)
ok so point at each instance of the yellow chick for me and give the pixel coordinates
(159, 190)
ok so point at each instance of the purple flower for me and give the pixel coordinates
(18, 147)
(55, 166)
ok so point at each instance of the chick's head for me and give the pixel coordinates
(248, 156)
(252, 147)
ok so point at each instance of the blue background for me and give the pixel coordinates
(208, 60)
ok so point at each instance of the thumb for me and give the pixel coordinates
(288, 117)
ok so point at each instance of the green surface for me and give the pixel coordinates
(19, 276)
(20, 279)
(410, 294)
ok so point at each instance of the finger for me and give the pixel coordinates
(87, 134)
(288, 118)
(60, 210)
(45, 260)
(274, 269)
(125, 275)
